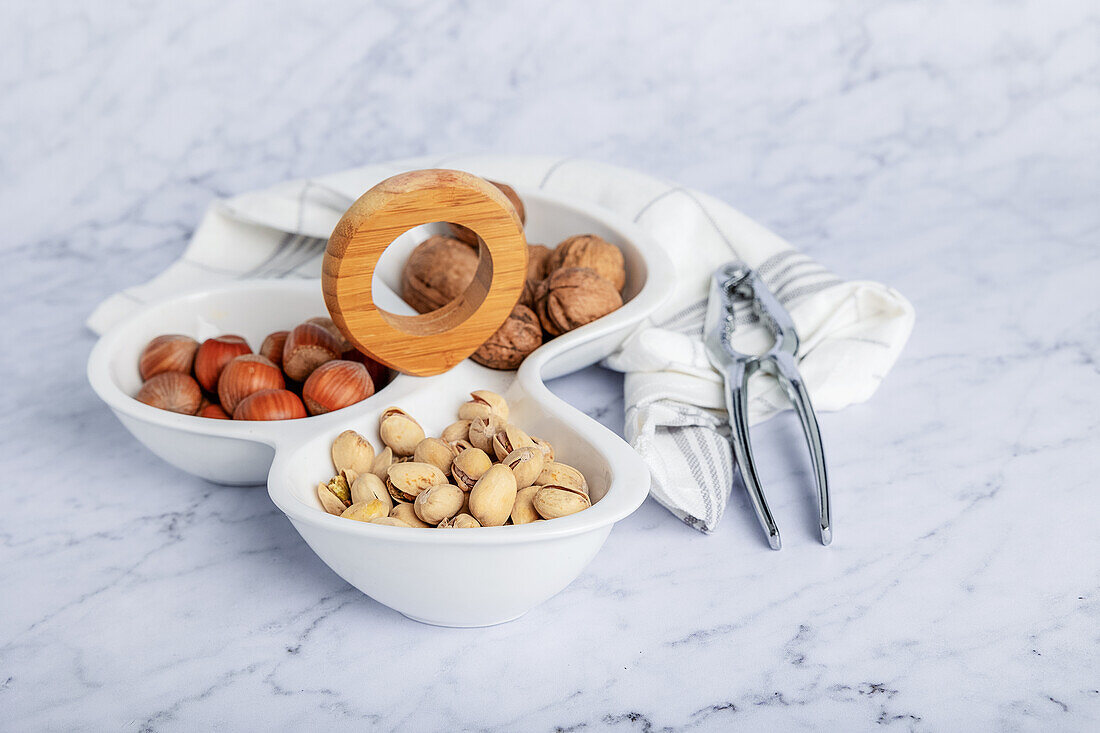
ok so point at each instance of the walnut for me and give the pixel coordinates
(509, 346)
(467, 236)
(572, 297)
(437, 271)
(538, 257)
(588, 250)
(537, 261)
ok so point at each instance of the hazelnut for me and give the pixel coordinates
(270, 404)
(212, 357)
(329, 325)
(572, 297)
(379, 372)
(172, 391)
(467, 236)
(307, 347)
(244, 375)
(336, 384)
(213, 411)
(437, 271)
(168, 353)
(517, 337)
(588, 250)
(272, 347)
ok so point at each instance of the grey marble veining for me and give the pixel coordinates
(948, 149)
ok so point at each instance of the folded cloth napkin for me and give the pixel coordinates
(851, 332)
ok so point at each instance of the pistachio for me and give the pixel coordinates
(552, 502)
(382, 462)
(366, 510)
(526, 463)
(523, 511)
(401, 433)
(439, 502)
(482, 431)
(328, 500)
(493, 495)
(338, 485)
(351, 451)
(389, 521)
(460, 445)
(390, 412)
(508, 439)
(468, 466)
(483, 403)
(407, 514)
(463, 521)
(406, 480)
(368, 487)
(544, 446)
(559, 474)
(435, 452)
(459, 430)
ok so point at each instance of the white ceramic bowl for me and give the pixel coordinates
(453, 578)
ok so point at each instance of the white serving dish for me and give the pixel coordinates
(453, 578)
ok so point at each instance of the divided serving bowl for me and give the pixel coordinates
(445, 577)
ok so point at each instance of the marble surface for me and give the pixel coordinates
(948, 149)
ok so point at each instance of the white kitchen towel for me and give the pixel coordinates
(852, 332)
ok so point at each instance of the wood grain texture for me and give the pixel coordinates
(434, 342)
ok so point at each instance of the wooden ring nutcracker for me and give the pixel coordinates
(430, 343)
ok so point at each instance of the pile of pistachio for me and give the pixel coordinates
(481, 472)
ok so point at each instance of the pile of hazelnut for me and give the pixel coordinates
(481, 472)
(575, 283)
(311, 369)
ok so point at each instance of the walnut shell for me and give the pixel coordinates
(538, 256)
(572, 297)
(437, 271)
(588, 250)
(514, 340)
(467, 236)
(538, 267)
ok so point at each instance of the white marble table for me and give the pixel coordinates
(950, 151)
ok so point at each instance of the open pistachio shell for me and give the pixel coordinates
(552, 502)
(351, 451)
(493, 495)
(406, 480)
(437, 503)
(368, 487)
